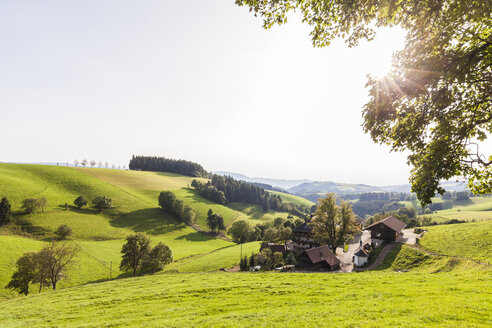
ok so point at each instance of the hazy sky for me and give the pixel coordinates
(197, 80)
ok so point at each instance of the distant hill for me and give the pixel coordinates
(304, 186)
(280, 183)
(330, 186)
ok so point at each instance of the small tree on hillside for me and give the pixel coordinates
(80, 202)
(102, 203)
(240, 231)
(93, 163)
(270, 235)
(30, 205)
(28, 271)
(166, 200)
(215, 222)
(84, 162)
(63, 232)
(135, 251)
(76, 162)
(189, 215)
(5, 211)
(55, 261)
(42, 202)
(158, 257)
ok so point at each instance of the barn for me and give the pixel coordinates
(319, 258)
(387, 230)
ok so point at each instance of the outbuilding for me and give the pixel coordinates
(360, 257)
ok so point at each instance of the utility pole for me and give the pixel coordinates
(110, 269)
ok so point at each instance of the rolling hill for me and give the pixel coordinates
(101, 235)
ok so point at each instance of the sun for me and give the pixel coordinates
(380, 67)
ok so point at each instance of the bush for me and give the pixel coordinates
(63, 232)
(5, 211)
(80, 202)
(158, 257)
(30, 205)
(102, 203)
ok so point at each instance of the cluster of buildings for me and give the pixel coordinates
(316, 257)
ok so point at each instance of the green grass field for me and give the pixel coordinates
(101, 235)
(477, 209)
(471, 240)
(372, 299)
(289, 198)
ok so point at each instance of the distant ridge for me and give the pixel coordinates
(304, 186)
(280, 183)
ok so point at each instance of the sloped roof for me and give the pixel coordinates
(361, 253)
(274, 248)
(391, 222)
(322, 253)
(302, 228)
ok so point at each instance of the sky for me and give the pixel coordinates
(196, 80)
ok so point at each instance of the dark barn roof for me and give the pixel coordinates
(361, 253)
(274, 248)
(302, 228)
(322, 253)
(391, 222)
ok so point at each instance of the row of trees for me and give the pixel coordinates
(172, 205)
(45, 268)
(139, 255)
(278, 231)
(93, 163)
(162, 164)
(223, 190)
(267, 260)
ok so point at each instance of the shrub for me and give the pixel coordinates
(102, 203)
(80, 202)
(63, 232)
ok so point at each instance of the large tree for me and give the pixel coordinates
(436, 101)
(135, 251)
(28, 271)
(332, 225)
(55, 260)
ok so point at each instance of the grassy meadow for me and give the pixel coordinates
(476, 209)
(101, 235)
(472, 240)
(371, 299)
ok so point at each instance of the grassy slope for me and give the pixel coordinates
(374, 299)
(293, 198)
(469, 240)
(478, 209)
(100, 235)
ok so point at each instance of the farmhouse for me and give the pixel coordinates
(387, 230)
(302, 236)
(319, 258)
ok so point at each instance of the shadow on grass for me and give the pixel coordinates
(196, 236)
(151, 220)
(390, 258)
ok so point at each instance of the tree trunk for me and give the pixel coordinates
(134, 272)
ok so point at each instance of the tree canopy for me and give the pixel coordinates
(436, 101)
(332, 225)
